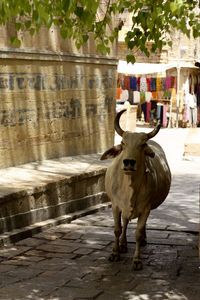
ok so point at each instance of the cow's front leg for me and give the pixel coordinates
(115, 256)
(123, 240)
(140, 236)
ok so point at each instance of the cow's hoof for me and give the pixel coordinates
(136, 265)
(114, 257)
(143, 243)
(123, 249)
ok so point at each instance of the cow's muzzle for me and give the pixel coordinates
(129, 165)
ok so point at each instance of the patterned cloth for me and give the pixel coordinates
(153, 84)
(163, 86)
(158, 84)
(168, 83)
(143, 84)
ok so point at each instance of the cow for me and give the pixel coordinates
(137, 181)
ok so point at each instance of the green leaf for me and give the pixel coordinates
(15, 41)
(130, 58)
(173, 6)
(85, 38)
(18, 26)
(32, 31)
(63, 32)
(27, 24)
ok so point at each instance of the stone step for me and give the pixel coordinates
(41, 191)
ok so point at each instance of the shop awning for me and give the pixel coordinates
(145, 68)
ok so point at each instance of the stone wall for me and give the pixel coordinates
(54, 100)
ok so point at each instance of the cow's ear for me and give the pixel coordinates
(148, 151)
(112, 152)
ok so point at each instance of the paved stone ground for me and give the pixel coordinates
(70, 261)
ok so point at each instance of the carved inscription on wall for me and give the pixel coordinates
(54, 82)
(67, 108)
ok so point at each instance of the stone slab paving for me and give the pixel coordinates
(70, 261)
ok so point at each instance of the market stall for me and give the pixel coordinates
(160, 91)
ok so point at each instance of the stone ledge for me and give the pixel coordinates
(40, 191)
(18, 234)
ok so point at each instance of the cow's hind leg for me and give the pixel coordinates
(115, 256)
(123, 240)
(139, 236)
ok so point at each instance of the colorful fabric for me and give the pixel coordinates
(163, 87)
(144, 110)
(142, 97)
(126, 85)
(130, 97)
(153, 84)
(168, 83)
(148, 96)
(167, 94)
(155, 95)
(136, 97)
(148, 84)
(138, 84)
(164, 115)
(148, 109)
(158, 84)
(119, 91)
(143, 84)
(124, 96)
(133, 83)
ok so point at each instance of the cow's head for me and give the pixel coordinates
(133, 147)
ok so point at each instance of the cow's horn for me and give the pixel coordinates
(116, 124)
(151, 134)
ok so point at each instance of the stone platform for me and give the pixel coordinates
(37, 194)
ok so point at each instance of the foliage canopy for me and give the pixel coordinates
(77, 19)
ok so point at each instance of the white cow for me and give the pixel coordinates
(137, 181)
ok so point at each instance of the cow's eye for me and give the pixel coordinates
(143, 145)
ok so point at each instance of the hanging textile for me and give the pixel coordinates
(148, 109)
(164, 115)
(130, 97)
(144, 110)
(158, 84)
(126, 85)
(133, 83)
(119, 91)
(124, 96)
(153, 84)
(148, 84)
(138, 84)
(143, 84)
(136, 97)
(148, 96)
(163, 84)
(168, 83)
(155, 95)
(160, 95)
